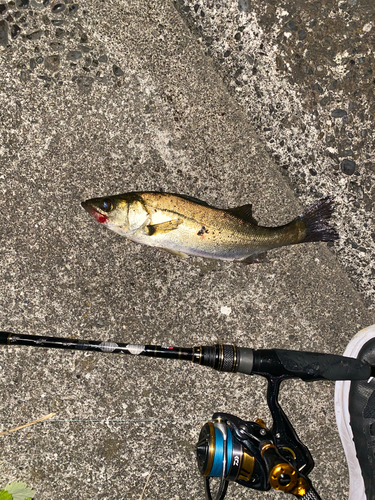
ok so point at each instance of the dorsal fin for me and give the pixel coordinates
(244, 212)
(195, 200)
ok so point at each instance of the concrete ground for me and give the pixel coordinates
(108, 97)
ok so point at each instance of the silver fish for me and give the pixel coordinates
(184, 226)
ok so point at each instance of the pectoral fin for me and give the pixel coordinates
(163, 227)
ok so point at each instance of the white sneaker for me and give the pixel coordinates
(355, 416)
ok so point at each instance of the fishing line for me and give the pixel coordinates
(127, 420)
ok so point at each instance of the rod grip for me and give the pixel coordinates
(309, 365)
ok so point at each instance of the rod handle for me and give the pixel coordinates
(309, 365)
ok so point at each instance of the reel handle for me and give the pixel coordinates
(311, 495)
(284, 477)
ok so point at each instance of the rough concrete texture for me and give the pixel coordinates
(104, 98)
(304, 73)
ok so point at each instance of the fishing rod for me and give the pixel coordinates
(228, 447)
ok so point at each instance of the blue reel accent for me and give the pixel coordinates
(217, 466)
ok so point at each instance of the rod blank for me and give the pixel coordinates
(222, 357)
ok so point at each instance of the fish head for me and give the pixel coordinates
(123, 214)
(110, 211)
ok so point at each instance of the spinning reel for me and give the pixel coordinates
(248, 453)
(230, 448)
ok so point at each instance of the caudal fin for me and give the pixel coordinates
(316, 218)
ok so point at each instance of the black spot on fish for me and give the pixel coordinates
(202, 231)
(151, 230)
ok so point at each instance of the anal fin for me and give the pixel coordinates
(174, 252)
(254, 259)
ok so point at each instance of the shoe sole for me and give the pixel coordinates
(342, 388)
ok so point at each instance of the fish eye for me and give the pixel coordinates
(106, 205)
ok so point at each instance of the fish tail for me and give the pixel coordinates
(316, 218)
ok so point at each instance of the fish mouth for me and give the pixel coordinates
(91, 210)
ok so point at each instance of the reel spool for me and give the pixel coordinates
(219, 454)
(215, 441)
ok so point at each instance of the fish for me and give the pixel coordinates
(186, 226)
